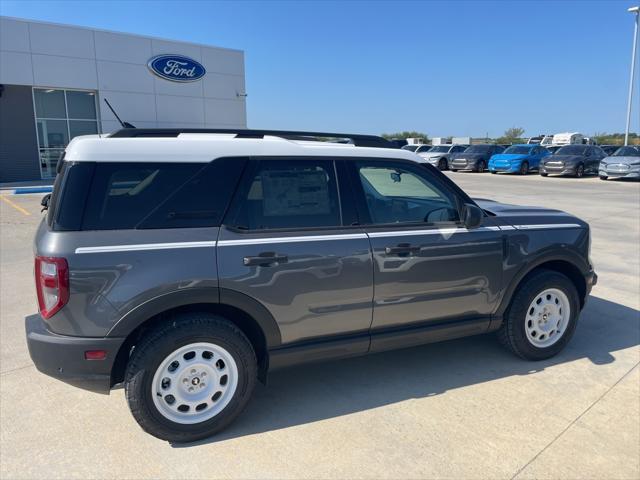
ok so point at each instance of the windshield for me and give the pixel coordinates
(627, 152)
(518, 150)
(413, 148)
(572, 150)
(441, 148)
(423, 148)
(478, 149)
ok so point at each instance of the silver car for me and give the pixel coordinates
(438, 156)
(624, 163)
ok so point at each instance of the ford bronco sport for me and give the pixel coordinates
(187, 264)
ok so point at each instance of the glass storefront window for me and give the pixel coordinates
(60, 116)
(49, 103)
(81, 104)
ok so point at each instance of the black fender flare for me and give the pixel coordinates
(189, 296)
(568, 256)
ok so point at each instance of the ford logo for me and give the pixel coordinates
(176, 68)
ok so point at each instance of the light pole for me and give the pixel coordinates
(636, 11)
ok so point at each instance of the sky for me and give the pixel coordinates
(467, 68)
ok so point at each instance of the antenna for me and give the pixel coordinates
(123, 124)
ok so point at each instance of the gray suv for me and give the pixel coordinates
(187, 264)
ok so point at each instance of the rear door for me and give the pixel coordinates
(288, 242)
(428, 268)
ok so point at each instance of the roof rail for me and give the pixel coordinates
(357, 140)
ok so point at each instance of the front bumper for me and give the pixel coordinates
(619, 172)
(558, 170)
(463, 165)
(591, 280)
(504, 168)
(62, 357)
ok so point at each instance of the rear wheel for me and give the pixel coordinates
(542, 316)
(524, 168)
(579, 171)
(190, 377)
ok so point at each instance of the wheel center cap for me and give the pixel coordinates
(195, 381)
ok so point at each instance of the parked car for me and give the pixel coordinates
(553, 148)
(398, 142)
(624, 163)
(475, 158)
(609, 149)
(423, 149)
(187, 267)
(518, 159)
(574, 160)
(438, 155)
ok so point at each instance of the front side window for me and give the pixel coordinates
(288, 194)
(400, 194)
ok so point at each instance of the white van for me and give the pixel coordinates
(567, 138)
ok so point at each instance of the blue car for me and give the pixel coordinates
(518, 159)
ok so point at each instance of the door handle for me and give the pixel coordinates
(265, 259)
(402, 249)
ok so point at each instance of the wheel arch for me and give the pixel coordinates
(250, 316)
(563, 265)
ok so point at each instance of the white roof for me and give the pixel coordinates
(204, 147)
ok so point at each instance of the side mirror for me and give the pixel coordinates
(472, 215)
(395, 176)
(44, 203)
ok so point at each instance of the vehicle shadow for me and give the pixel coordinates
(313, 392)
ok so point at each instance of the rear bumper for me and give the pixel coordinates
(62, 357)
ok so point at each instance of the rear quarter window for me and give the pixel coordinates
(121, 195)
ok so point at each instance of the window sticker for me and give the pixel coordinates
(302, 192)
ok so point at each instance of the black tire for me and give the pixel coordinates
(481, 166)
(454, 169)
(604, 177)
(542, 174)
(524, 168)
(493, 171)
(579, 171)
(442, 164)
(512, 331)
(179, 331)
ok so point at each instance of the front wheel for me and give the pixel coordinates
(580, 171)
(542, 174)
(190, 377)
(442, 164)
(524, 168)
(603, 177)
(454, 169)
(542, 316)
(481, 166)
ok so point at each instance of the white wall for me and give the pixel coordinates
(115, 64)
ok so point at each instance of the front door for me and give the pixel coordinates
(428, 268)
(287, 242)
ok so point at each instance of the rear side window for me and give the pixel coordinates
(160, 195)
(288, 194)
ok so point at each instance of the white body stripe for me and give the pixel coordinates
(315, 238)
(144, 246)
(309, 238)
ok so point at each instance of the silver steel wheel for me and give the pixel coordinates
(547, 317)
(194, 383)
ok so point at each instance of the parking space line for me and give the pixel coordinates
(15, 205)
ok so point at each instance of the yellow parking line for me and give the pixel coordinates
(14, 205)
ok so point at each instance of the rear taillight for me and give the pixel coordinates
(52, 284)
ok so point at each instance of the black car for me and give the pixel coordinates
(475, 158)
(574, 160)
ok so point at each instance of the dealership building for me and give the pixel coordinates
(54, 80)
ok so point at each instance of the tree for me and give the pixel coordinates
(405, 134)
(514, 133)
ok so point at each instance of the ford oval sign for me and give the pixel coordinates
(176, 68)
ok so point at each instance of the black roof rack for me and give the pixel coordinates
(357, 140)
